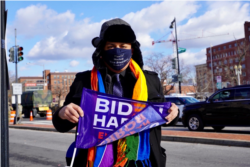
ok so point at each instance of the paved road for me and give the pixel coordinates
(45, 149)
(179, 127)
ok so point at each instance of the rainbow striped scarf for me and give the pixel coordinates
(133, 150)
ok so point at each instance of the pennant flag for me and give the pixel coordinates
(108, 118)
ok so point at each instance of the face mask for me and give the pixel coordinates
(117, 58)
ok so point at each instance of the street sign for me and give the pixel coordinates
(174, 78)
(13, 99)
(181, 50)
(218, 78)
(218, 85)
(17, 88)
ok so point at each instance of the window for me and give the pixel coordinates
(224, 47)
(62, 76)
(231, 61)
(242, 93)
(215, 71)
(243, 58)
(235, 44)
(234, 52)
(224, 95)
(219, 62)
(225, 68)
(236, 60)
(231, 67)
(225, 61)
(214, 50)
(54, 82)
(226, 54)
(58, 82)
(57, 76)
(215, 63)
(248, 28)
(230, 46)
(243, 66)
(249, 37)
(54, 76)
(220, 70)
(209, 64)
(68, 76)
(174, 100)
(244, 73)
(241, 43)
(218, 49)
(72, 76)
(47, 77)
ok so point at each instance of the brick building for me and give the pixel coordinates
(203, 78)
(225, 56)
(185, 89)
(58, 82)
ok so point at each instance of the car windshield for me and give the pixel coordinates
(188, 100)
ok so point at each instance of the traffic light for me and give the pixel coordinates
(19, 53)
(11, 55)
(173, 63)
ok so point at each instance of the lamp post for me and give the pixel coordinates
(173, 24)
(212, 67)
(238, 72)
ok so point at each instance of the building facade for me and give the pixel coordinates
(222, 59)
(57, 82)
(203, 78)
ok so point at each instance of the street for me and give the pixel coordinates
(178, 127)
(40, 149)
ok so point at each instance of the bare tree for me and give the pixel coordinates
(59, 91)
(186, 72)
(161, 64)
(12, 76)
(241, 51)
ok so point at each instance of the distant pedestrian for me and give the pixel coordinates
(119, 61)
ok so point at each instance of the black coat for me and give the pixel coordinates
(157, 154)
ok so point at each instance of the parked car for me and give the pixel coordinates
(226, 107)
(180, 101)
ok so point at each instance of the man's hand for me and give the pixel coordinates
(71, 112)
(173, 112)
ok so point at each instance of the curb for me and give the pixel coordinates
(207, 141)
(239, 143)
(40, 129)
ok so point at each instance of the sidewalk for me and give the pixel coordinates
(216, 138)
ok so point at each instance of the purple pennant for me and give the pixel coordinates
(108, 118)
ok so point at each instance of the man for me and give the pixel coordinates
(119, 61)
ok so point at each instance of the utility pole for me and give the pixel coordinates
(212, 70)
(4, 86)
(171, 26)
(16, 60)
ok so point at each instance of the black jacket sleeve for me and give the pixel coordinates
(74, 96)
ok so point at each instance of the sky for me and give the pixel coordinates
(57, 35)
